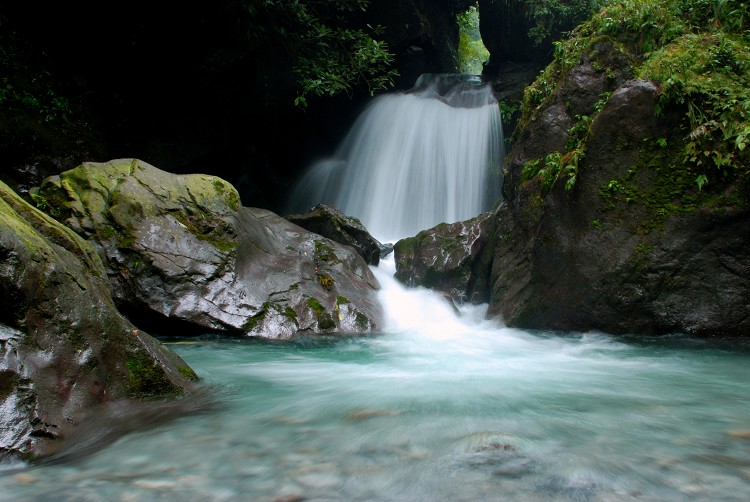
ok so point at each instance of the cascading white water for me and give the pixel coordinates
(414, 159)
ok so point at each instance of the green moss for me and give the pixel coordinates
(231, 197)
(74, 336)
(325, 320)
(290, 313)
(211, 229)
(187, 373)
(323, 252)
(406, 246)
(148, 379)
(643, 248)
(699, 53)
(283, 309)
(315, 305)
(661, 184)
(253, 321)
(342, 300)
(326, 281)
(107, 231)
(52, 201)
(125, 240)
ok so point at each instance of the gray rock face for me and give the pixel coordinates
(621, 252)
(64, 347)
(452, 258)
(182, 248)
(333, 224)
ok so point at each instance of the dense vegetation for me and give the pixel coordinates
(698, 51)
(472, 54)
(328, 55)
(551, 17)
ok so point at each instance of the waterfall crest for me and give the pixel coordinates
(414, 159)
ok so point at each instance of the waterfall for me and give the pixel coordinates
(414, 159)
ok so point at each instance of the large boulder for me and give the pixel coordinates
(182, 253)
(633, 246)
(626, 194)
(64, 347)
(454, 259)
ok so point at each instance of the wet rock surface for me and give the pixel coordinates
(181, 250)
(64, 347)
(452, 258)
(600, 256)
(333, 224)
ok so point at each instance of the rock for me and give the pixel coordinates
(386, 249)
(621, 252)
(451, 258)
(333, 224)
(183, 254)
(64, 347)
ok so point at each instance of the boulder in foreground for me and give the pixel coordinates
(64, 347)
(181, 251)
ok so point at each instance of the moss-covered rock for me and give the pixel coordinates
(184, 256)
(452, 258)
(610, 220)
(333, 224)
(64, 347)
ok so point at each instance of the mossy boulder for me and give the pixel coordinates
(333, 224)
(64, 347)
(607, 222)
(454, 259)
(184, 256)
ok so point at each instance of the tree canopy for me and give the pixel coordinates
(328, 55)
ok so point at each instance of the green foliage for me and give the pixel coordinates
(698, 51)
(579, 131)
(546, 170)
(557, 163)
(27, 91)
(709, 74)
(328, 56)
(550, 17)
(508, 109)
(338, 60)
(42, 103)
(701, 180)
(472, 54)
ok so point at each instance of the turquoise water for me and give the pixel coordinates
(434, 408)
